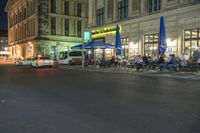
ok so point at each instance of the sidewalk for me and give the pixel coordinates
(6, 62)
(150, 73)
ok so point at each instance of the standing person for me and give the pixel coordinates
(112, 60)
(183, 60)
(196, 55)
(4, 58)
(86, 60)
(154, 61)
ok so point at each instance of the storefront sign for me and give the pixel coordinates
(104, 31)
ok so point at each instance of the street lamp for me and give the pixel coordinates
(6, 48)
(168, 41)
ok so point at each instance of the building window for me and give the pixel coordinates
(79, 10)
(24, 13)
(20, 16)
(11, 21)
(154, 5)
(53, 6)
(28, 9)
(125, 47)
(53, 26)
(66, 27)
(66, 7)
(100, 16)
(191, 1)
(123, 9)
(79, 28)
(28, 28)
(151, 44)
(192, 40)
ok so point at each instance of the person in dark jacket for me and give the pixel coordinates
(161, 63)
(173, 63)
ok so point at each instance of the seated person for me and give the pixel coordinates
(172, 63)
(183, 61)
(162, 64)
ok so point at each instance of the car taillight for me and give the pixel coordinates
(51, 61)
(40, 61)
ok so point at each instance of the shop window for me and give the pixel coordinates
(187, 34)
(151, 44)
(192, 41)
(125, 47)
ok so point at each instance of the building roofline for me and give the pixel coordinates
(9, 3)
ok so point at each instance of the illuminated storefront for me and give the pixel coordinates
(191, 40)
(101, 35)
(140, 22)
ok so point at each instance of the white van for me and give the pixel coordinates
(72, 57)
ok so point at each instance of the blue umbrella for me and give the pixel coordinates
(77, 46)
(162, 45)
(94, 45)
(118, 44)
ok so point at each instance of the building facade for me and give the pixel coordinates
(139, 21)
(3, 40)
(45, 27)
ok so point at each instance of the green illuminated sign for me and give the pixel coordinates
(87, 36)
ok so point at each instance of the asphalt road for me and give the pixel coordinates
(55, 100)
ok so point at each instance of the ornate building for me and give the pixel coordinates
(139, 21)
(45, 27)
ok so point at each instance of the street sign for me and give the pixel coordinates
(169, 50)
(87, 36)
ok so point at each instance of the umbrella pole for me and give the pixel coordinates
(94, 58)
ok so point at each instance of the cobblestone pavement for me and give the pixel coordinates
(151, 73)
(6, 62)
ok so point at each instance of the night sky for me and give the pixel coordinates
(3, 15)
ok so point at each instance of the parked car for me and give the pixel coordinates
(24, 62)
(42, 61)
(17, 62)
